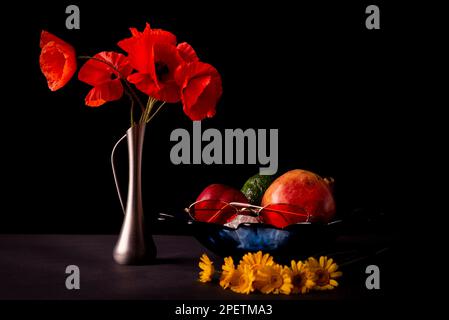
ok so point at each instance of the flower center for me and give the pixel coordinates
(322, 277)
(242, 281)
(162, 71)
(276, 280)
(297, 280)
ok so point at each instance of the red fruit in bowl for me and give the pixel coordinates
(302, 189)
(213, 204)
(222, 192)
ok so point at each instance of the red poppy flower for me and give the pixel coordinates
(201, 88)
(153, 53)
(104, 78)
(57, 60)
(187, 53)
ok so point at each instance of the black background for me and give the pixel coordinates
(334, 89)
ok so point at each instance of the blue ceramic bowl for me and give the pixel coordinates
(294, 241)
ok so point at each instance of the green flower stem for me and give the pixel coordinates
(157, 110)
(148, 108)
(132, 112)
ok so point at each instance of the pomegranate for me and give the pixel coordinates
(303, 189)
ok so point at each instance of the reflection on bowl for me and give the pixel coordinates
(294, 241)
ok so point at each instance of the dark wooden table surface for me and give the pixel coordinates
(32, 267)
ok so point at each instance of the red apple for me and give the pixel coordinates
(215, 210)
(303, 189)
(222, 192)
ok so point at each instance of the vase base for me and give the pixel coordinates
(128, 258)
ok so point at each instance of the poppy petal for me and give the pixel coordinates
(163, 36)
(118, 60)
(205, 106)
(57, 60)
(195, 88)
(95, 72)
(168, 59)
(168, 92)
(140, 47)
(159, 35)
(142, 81)
(108, 91)
(47, 37)
(201, 88)
(187, 53)
(140, 52)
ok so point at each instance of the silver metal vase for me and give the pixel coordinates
(134, 246)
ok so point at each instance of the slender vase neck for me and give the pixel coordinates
(137, 131)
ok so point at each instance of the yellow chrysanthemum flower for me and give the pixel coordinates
(325, 271)
(207, 269)
(228, 273)
(257, 260)
(302, 279)
(274, 279)
(243, 279)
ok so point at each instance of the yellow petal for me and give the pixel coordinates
(334, 283)
(329, 263)
(286, 289)
(289, 271)
(336, 274)
(312, 262)
(322, 261)
(265, 258)
(293, 264)
(332, 268)
(309, 284)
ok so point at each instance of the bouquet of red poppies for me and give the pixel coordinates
(154, 64)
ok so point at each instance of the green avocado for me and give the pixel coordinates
(255, 187)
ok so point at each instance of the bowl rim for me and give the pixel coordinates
(249, 225)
